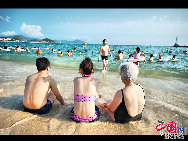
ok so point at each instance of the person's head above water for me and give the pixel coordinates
(128, 71)
(42, 63)
(119, 51)
(137, 49)
(86, 66)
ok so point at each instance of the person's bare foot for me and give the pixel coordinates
(1, 90)
(100, 95)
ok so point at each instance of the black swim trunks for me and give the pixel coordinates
(44, 110)
(104, 57)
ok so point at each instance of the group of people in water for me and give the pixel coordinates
(41, 91)
(103, 54)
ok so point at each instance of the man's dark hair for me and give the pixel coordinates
(104, 40)
(137, 49)
(42, 63)
(119, 51)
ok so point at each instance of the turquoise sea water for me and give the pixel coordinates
(155, 69)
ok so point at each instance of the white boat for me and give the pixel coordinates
(5, 49)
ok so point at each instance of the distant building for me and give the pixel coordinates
(6, 39)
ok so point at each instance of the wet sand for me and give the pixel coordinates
(164, 100)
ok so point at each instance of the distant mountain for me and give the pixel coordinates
(46, 40)
(70, 42)
(22, 38)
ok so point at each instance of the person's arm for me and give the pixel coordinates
(99, 54)
(109, 52)
(133, 54)
(112, 106)
(143, 54)
(55, 90)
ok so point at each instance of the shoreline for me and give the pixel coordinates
(167, 102)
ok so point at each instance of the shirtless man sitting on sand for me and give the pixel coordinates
(105, 49)
(36, 96)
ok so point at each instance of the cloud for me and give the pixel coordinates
(33, 31)
(6, 19)
(8, 33)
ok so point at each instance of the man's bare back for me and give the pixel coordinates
(36, 90)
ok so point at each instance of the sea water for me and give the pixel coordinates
(177, 69)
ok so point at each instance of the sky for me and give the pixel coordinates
(119, 26)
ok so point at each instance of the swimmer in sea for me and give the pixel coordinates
(105, 50)
(59, 51)
(28, 51)
(79, 53)
(61, 54)
(129, 57)
(39, 51)
(74, 49)
(173, 58)
(18, 49)
(137, 54)
(119, 56)
(160, 57)
(151, 58)
(69, 53)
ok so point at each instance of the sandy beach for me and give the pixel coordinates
(164, 100)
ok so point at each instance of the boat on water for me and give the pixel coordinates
(176, 44)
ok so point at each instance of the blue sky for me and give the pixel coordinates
(118, 26)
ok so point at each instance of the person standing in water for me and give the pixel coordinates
(137, 54)
(104, 49)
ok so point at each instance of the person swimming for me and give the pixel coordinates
(79, 53)
(61, 53)
(137, 54)
(174, 58)
(119, 56)
(151, 58)
(39, 51)
(85, 94)
(160, 58)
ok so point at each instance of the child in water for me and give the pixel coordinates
(174, 58)
(61, 54)
(137, 54)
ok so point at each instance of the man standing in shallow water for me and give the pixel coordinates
(105, 49)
